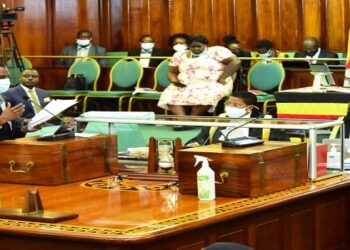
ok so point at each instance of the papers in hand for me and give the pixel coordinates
(143, 90)
(51, 110)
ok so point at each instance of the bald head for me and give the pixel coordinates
(310, 46)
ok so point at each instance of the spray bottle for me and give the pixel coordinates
(333, 157)
(205, 179)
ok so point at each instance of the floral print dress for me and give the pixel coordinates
(200, 74)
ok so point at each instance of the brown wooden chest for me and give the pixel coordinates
(252, 171)
(28, 161)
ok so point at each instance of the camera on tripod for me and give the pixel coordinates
(8, 16)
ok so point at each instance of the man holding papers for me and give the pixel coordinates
(28, 94)
(10, 126)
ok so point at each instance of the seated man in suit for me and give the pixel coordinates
(27, 93)
(10, 126)
(240, 104)
(82, 47)
(312, 50)
(147, 49)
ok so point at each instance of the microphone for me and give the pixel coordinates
(63, 131)
(242, 141)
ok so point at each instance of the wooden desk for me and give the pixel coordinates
(312, 216)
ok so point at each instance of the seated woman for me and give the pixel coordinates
(178, 43)
(264, 49)
(240, 104)
(200, 76)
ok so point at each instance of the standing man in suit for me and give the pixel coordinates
(82, 47)
(28, 94)
(147, 49)
(312, 49)
(10, 126)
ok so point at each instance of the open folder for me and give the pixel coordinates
(51, 110)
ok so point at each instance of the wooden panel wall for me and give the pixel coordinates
(47, 25)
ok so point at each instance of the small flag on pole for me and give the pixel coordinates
(347, 66)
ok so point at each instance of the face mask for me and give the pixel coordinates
(199, 54)
(83, 42)
(179, 47)
(147, 46)
(265, 55)
(4, 85)
(234, 112)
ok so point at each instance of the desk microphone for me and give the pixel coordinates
(248, 140)
(64, 131)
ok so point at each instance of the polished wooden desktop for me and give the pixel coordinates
(134, 214)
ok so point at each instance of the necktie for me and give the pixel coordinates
(35, 100)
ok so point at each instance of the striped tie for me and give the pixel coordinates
(35, 100)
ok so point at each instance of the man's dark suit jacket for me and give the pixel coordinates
(203, 137)
(323, 54)
(71, 50)
(8, 133)
(18, 95)
(155, 52)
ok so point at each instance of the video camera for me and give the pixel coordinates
(8, 16)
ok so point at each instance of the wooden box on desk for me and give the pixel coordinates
(252, 171)
(28, 161)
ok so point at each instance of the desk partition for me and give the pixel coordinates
(313, 127)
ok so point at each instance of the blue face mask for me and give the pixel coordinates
(265, 55)
(204, 52)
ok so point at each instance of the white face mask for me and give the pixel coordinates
(4, 85)
(265, 55)
(179, 47)
(83, 42)
(234, 112)
(147, 46)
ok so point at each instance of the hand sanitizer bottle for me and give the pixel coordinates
(333, 158)
(205, 179)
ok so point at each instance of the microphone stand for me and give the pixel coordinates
(227, 141)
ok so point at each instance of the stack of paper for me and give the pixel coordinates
(51, 110)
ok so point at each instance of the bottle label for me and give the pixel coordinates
(203, 187)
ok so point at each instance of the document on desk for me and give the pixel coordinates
(54, 108)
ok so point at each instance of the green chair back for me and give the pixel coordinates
(161, 74)
(88, 67)
(112, 61)
(14, 71)
(266, 75)
(125, 73)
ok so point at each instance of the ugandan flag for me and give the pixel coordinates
(318, 106)
(347, 66)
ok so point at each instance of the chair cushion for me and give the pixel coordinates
(108, 93)
(263, 98)
(67, 92)
(148, 95)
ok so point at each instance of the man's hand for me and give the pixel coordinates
(11, 113)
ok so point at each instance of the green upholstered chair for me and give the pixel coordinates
(160, 81)
(15, 71)
(91, 70)
(112, 61)
(266, 76)
(125, 74)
